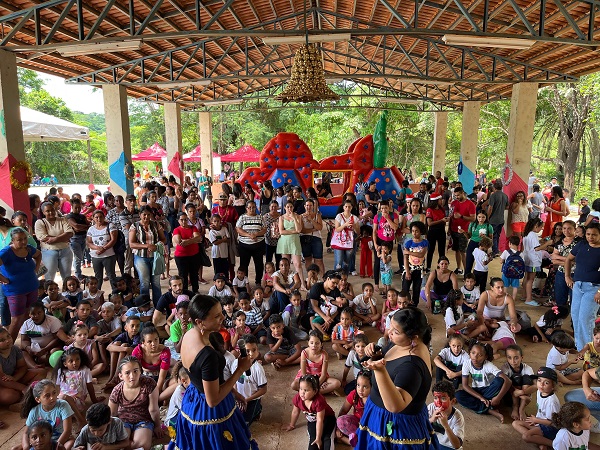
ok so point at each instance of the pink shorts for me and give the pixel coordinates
(506, 341)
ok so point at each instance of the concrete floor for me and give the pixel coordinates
(481, 431)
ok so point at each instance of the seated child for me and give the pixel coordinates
(218, 343)
(125, 290)
(573, 421)
(82, 313)
(353, 362)
(41, 404)
(249, 389)
(240, 283)
(80, 333)
(101, 429)
(267, 279)
(238, 331)
(471, 294)
(122, 346)
(454, 316)
(538, 429)
(314, 360)
(403, 302)
(72, 292)
(109, 327)
(558, 358)
(182, 379)
(520, 375)
(365, 306)
(292, 315)
(447, 421)
(487, 381)
(178, 329)
(143, 308)
(254, 318)
(347, 424)
(93, 294)
(228, 311)
(55, 303)
(550, 322)
(590, 351)
(284, 349)
(342, 334)
(14, 374)
(258, 302)
(220, 288)
(450, 361)
(39, 335)
(390, 306)
(154, 357)
(312, 275)
(40, 436)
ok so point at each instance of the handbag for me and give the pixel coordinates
(342, 240)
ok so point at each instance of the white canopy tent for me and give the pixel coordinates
(40, 127)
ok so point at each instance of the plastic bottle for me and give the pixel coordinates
(437, 306)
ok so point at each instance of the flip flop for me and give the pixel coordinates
(532, 303)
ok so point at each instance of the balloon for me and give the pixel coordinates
(55, 358)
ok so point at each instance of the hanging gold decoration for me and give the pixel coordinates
(307, 83)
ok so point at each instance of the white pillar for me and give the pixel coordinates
(118, 138)
(206, 141)
(468, 144)
(12, 147)
(520, 129)
(173, 136)
(440, 132)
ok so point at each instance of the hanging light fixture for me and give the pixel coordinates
(307, 82)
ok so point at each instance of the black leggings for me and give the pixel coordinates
(436, 235)
(415, 279)
(470, 261)
(254, 251)
(377, 261)
(328, 428)
(188, 266)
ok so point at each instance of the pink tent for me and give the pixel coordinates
(153, 153)
(195, 156)
(246, 153)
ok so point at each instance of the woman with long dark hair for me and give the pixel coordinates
(557, 210)
(436, 228)
(208, 410)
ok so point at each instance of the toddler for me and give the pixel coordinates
(342, 334)
(558, 358)
(347, 424)
(93, 294)
(258, 302)
(182, 378)
(453, 316)
(54, 302)
(550, 322)
(238, 331)
(389, 307)
(267, 279)
(385, 264)
(414, 252)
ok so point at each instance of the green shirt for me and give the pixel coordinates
(177, 332)
(486, 230)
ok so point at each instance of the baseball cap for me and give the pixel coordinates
(546, 372)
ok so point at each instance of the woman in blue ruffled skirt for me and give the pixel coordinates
(209, 417)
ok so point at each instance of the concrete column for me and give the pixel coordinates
(468, 144)
(440, 131)
(118, 138)
(12, 147)
(206, 141)
(520, 129)
(173, 137)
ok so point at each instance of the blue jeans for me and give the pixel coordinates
(562, 292)
(4, 309)
(488, 392)
(496, 237)
(583, 311)
(577, 395)
(143, 266)
(278, 302)
(57, 260)
(342, 258)
(77, 244)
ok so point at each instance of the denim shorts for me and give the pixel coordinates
(511, 282)
(136, 426)
(312, 249)
(530, 269)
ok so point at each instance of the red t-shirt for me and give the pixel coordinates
(435, 214)
(186, 233)
(357, 403)
(318, 404)
(464, 208)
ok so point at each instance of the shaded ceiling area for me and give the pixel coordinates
(203, 52)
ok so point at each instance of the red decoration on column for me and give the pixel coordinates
(15, 199)
(176, 167)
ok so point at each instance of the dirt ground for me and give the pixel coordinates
(481, 431)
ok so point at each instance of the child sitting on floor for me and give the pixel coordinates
(558, 358)
(101, 429)
(447, 421)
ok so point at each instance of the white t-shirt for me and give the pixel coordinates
(509, 371)
(482, 377)
(449, 317)
(221, 250)
(100, 238)
(174, 404)
(263, 308)
(452, 361)
(531, 257)
(247, 385)
(240, 283)
(503, 331)
(546, 406)
(361, 305)
(284, 281)
(481, 258)
(43, 333)
(556, 358)
(456, 422)
(566, 440)
(471, 297)
(229, 361)
(225, 292)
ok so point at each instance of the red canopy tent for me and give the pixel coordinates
(195, 156)
(246, 153)
(153, 153)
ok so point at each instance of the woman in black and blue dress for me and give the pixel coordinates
(209, 416)
(395, 415)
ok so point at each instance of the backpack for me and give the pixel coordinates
(514, 266)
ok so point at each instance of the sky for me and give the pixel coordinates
(78, 98)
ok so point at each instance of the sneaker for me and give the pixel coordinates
(353, 273)
(458, 271)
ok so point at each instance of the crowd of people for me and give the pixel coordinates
(203, 355)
